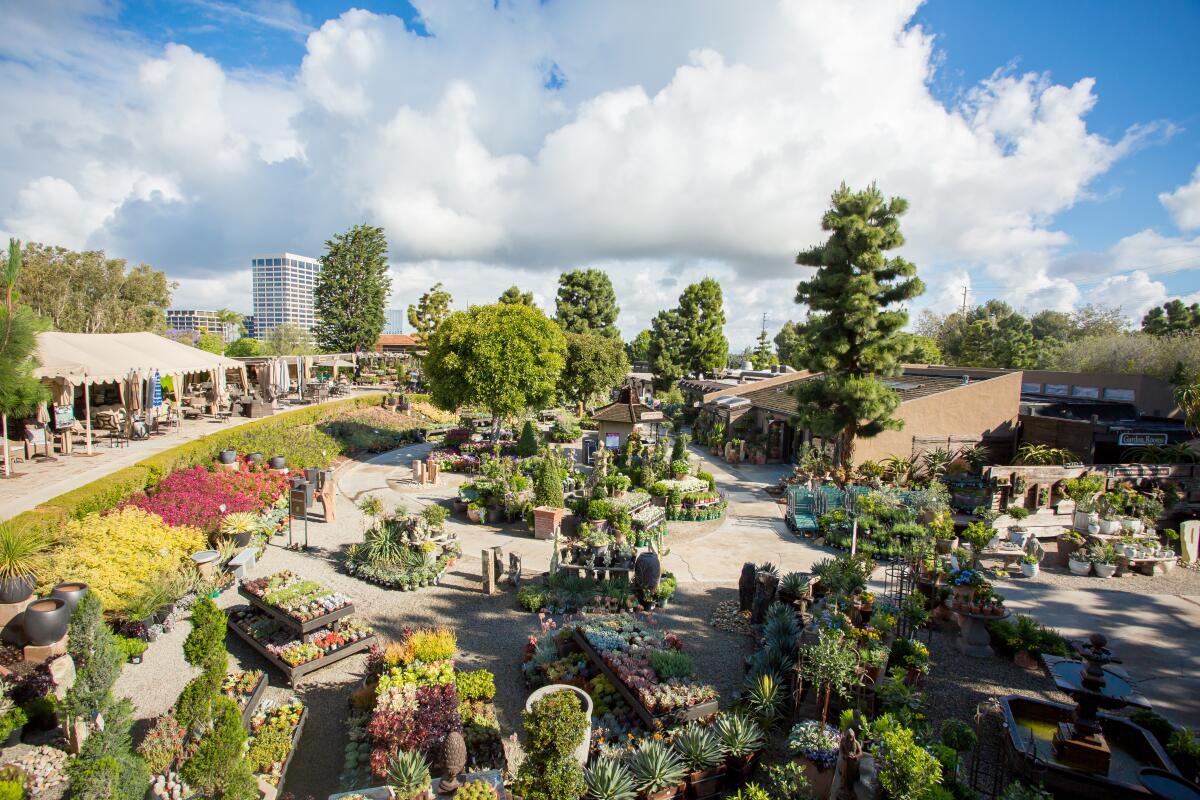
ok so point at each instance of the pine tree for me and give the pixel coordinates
(513, 296)
(586, 303)
(854, 328)
(691, 337)
(20, 391)
(763, 356)
(430, 311)
(352, 290)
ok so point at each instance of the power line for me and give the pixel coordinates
(1178, 267)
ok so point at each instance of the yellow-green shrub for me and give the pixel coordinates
(119, 553)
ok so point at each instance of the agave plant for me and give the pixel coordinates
(609, 780)
(19, 552)
(408, 774)
(699, 748)
(935, 461)
(780, 610)
(740, 736)
(764, 699)
(656, 767)
(793, 583)
(768, 568)
(239, 522)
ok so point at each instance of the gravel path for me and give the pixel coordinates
(1179, 581)
(492, 632)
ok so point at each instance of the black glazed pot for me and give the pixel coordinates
(255, 458)
(243, 538)
(278, 462)
(69, 592)
(228, 456)
(46, 621)
(16, 590)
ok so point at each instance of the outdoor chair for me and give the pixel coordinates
(37, 437)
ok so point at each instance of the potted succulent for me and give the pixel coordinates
(608, 779)
(1079, 563)
(19, 552)
(1104, 559)
(1030, 565)
(657, 771)
(239, 526)
(476, 790)
(408, 776)
(792, 587)
(1016, 531)
(741, 739)
(1110, 506)
(700, 750)
(1068, 543)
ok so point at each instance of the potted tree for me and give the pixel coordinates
(1083, 491)
(19, 552)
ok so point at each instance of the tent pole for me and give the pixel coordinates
(87, 411)
(7, 466)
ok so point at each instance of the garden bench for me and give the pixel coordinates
(242, 562)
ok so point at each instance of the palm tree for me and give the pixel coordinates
(225, 315)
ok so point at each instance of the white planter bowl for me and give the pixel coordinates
(1131, 525)
(1079, 567)
(1105, 570)
(585, 745)
(1029, 570)
(1110, 526)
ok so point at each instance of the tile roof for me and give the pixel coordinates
(628, 408)
(396, 340)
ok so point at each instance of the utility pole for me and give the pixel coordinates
(964, 303)
(764, 322)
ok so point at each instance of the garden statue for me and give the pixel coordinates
(746, 587)
(851, 753)
(647, 571)
(454, 761)
(765, 586)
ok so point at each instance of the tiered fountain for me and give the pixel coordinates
(1080, 750)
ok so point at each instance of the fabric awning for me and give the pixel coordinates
(107, 357)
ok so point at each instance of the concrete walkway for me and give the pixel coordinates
(39, 480)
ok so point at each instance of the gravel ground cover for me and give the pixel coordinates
(1179, 581)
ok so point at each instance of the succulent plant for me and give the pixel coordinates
(740, 736)
(655, 767)
(609, 780)
(699, 747)
(239, 522)
(408, 774)
(793, 583)
(476, 790)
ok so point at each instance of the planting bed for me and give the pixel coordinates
(246, 689)
(300, 605)
(295, 657)
(289, 715)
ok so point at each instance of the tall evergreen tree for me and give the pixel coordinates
(352, 291)
(789, 345)
(430, 311)
(20, 391)
(763, 356)
(665, 351)
(1172, 317)
(854, 326)
(638, 348)
(702, 321)
(586, 303)
(513, 296)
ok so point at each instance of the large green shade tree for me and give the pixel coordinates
(352, 290)
(595, 364)
(505, 358)
(854, 330)
(587, 303)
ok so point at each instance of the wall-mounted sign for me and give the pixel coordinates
(612, 441)
(1141, 439)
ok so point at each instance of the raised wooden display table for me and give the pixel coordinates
(295, 673)
(287, 620)
(699, 711)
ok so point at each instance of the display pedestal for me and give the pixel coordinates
(40, 654)
(10, 621)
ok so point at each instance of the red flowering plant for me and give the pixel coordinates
(201, 498)
(420, 721)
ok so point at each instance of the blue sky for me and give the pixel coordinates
(1048, 150)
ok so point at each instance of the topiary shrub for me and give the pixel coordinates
(527, 445)
(217, 766)
(553, 728)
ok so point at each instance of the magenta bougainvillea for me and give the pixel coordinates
(201, 498)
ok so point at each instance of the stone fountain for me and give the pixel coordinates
(1082, 749)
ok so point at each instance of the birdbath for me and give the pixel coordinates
(975, 641)
(1093, 687)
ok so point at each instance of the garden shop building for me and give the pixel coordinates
(946, 407)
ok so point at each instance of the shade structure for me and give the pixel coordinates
(109, 357)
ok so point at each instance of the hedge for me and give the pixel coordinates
(293, 434)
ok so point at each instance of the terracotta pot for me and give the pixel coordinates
(16, 590)
(46, 621)
(738, 769)
(69, 592)
(665, 794)
(820, 781)
(704, 784)
(1026, 660)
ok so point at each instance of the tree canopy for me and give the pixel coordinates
(211, 342)
(429, 311)
(352, 291)
(505, 358)
(513, 296)
(691, 337)
(20, 391)
(789, 345)
(638, 348)
(854, 329)
(288, 339)
(763, 357)
(90, 293)
(595, 364)
(586, 303)
(1172, 317)
(244, 347)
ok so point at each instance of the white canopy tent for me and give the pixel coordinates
(68, 360)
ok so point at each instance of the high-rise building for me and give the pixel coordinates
(197, 321)
(248, 324)
(283, 291)
(393, 321)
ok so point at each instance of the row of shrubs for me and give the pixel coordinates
(293, 434)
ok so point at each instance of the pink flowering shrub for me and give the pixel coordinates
(201, 498)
